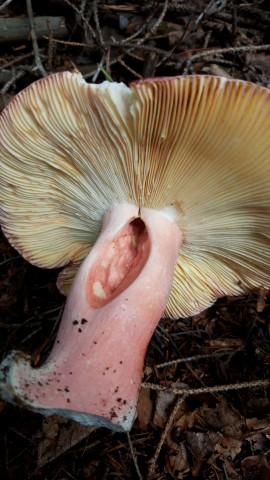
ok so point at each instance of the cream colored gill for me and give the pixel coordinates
(197, 148)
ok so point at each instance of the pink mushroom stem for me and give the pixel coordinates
(94, 371)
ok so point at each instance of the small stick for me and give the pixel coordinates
(16, 60)
(214, 389)
(129, 69)
(50, 46)
(163, 437)
(134, 457)
(5, 4)
(34, 38)
(10, 82)
(194, 358)
(96, 17)
(219, 51)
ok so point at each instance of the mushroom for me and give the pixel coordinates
(155, 199)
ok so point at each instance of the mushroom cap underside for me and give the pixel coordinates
(198, 144)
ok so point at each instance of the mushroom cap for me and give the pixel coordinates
(199, 145)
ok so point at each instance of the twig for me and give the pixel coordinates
(18, 29)
(9, 260)
(139, 43)
(50, 47)
(170, 58)
(67, 42)
(212, 7)
(136, 74)
(16, 60)
(134, 457)
(34, 38)
(150, 65)
(96, 17)
(157, 23)
(10, 82)
(186, 393)
(163, 437)
(194, 358)
(82, 7)
(82, 17)
(5, 4)
(215, 389)
(187, 9)
(132, 46)
(222, 51)
(140, 29)
(18, 74)
(97, 72)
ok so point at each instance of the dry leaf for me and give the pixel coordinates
(230, 471)
(223, 418)
(258, 442)
(164, 401)
(145, 409)
(200, 445)
(229, 447)
(255, 468)
(177, 461)
(59, 435)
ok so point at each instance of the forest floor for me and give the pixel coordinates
(220, 429)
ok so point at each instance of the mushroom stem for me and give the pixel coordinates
(94, 371)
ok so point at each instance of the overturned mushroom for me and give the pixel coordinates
(155, 196)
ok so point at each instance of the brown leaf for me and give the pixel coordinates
(200, 445)
(164, 401)
(262, 294)
(229, 447)
(177, 462)
(262, 425)
(255, 468)
(223, 418)
(59, 435)
(230, 471)
(258, 442)
(145, 408)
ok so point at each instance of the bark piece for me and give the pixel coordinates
(18, 28)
